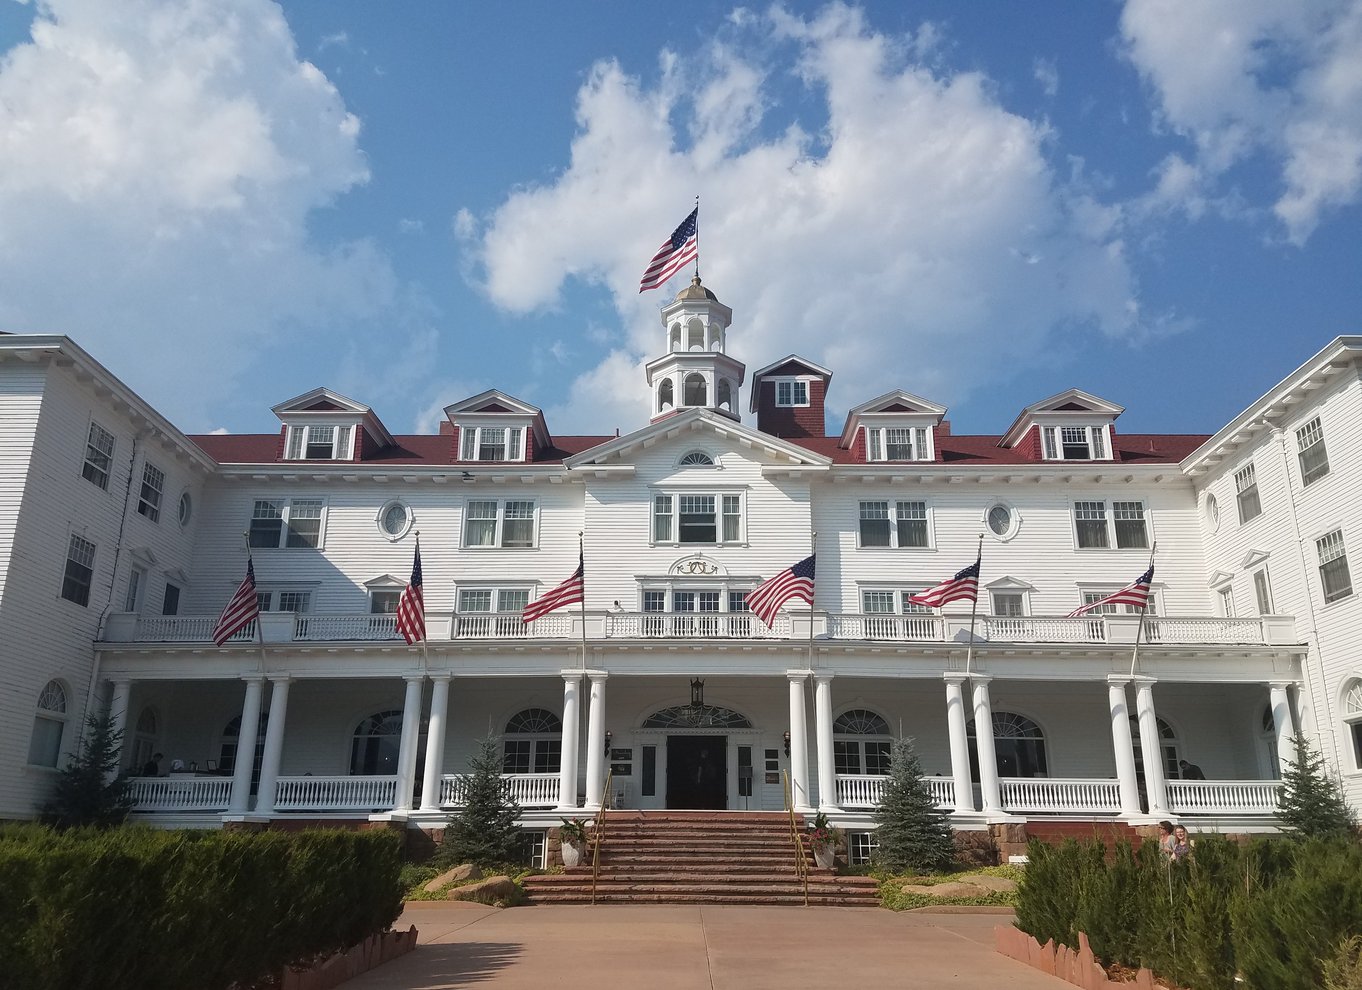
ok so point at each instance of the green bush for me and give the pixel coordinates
(157, 909)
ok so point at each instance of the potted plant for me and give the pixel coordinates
(823, 840)
(573, 835)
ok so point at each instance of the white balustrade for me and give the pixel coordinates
(530, 790)
(180, 793)
(1159, 629)
(350, 793)
(694, 625)
(335, 628)
(1061, 795)
(867, 790)
(1224, 797)
(509, 625)
(911, 628)
(1042, 629)
(184, 629)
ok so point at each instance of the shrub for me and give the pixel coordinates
(89, 790)
(913, 834)
(1312, 802)
(485, 831)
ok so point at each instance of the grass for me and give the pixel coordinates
(894, 897)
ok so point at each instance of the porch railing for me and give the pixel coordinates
(867, 790)
(348, 793)
(530, 790)
(1061, 795)
(184, 629)
(694, 625)
(1224, 797)
(1042, 629)
(180, 793)
(911, 628)
(336, 628)
(501, 625)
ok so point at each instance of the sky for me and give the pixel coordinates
(231, 202)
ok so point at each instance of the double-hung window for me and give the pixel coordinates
(153, 485)
(1093, 532)
(1090, 524)
(1246, 491)
(1262, 591)
(895, 443)
(296, 600)
(1314, 458)
(505, 523)
(1074, 443)
(99, 448)
(697, 518)
(491, 611)
(889, 614)
(319, 443)
(80, 570)
(792, 392)
(492, 443)
(1334, 577)
(899, 523)
(283, 522)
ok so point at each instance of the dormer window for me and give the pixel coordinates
(1075, 443)
(319, 443)
(492, 443)
(894, 443)
(792, 392)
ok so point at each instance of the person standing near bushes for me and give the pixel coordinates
(1166, 839)
(1182, 843)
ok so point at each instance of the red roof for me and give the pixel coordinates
(1131, 448)
(431, 449)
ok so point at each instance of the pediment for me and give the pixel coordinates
(320, 400)
(1071, 407)
(385, 581)
(1076, 400)
(689, 427)
(1218, 578)
(491, 402)
(886, 409)
(176, 576)
(1253, 558)
(1009, 583)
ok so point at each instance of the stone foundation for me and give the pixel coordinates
(975, 848)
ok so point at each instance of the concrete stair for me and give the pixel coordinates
(697, 857)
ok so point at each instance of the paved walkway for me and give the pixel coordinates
(706, 947)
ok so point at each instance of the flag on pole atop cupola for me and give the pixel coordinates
(241, 609)
(796, 581)
(676, 251)
(1135, 594)
(963, 587)
(411, 607)
(569, 592)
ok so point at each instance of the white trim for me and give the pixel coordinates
(499, 524)
(404, 529)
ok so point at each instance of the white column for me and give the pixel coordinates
(118, 722)
(1284, 723)
(1151, 748)
(1120, 740)
(572, 730)
(411, 736)
(595, 742)
(435, 744)
(274, 744)
(983, 742)
(822, 721)
(240, 801)
(956, 724)
(799, 752)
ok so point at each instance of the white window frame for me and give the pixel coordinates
(894, 508)
(179, 597)
(1310, 445)
(1246, 494)
(136, 593)
(1262, 591)
(503, 614)
(1096, 440)
(791, 389)
(1351, 708)
(381, 516)
(1087, 594)
(77, 555)
(1109, 509)
(98, 463)
(1332, 543)
(53, 707)
(732, 601)
(152, 492)
(1014, 520)
(471, 441)
(287, 509)
(1011, 593)
(286, 598)
(340, 443)
(499, 523)
(730, 517)
(1225, 595)
(185, 510)
(877, 444)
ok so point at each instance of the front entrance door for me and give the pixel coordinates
(697, 772)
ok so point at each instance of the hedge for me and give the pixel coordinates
(137, 907)
(1263, 916)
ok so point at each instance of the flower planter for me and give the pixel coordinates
(824, 854)
(572, 854)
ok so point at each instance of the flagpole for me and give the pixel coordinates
(1139, 630)
(259, 632)
(581, 562)
(974, 607)
(697, 236)
(425, 639)
(813, 551)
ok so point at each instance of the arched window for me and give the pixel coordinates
(49, 726)
(695, 336)
(1019, 743)
(696, 391)
(674, 337)
(376, 744)
(696, 458)
(1168, 747)
(696, 717)
(860, 743)
(1352, 720)
(534, 742)
(725, 394)
(231, 744)
(665, 399)
(144, 739)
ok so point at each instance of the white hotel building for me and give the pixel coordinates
(121, 538)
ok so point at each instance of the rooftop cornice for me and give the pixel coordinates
(1036, 473)
(487, 473)
(689, 421)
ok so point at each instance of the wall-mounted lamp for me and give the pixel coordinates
(608, 737)
(787, 742)
(697, 693)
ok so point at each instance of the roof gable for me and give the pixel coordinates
(320, 399)
(690, 422)
(1072, 406)
(899, 404)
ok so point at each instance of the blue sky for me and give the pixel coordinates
(230, 202)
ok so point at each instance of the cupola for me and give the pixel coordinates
(695, 372)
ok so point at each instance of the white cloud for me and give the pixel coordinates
(1047, 74)
(915, 236)
(1240, 78)
(161, 158)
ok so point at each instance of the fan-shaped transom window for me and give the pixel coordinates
(534, 720)
(696, 717)
(537, 746)
(1018, 743)
(376, 743)
(49, 725)
(1352, 720)
(697, 458)
(861, 743)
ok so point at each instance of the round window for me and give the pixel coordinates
(1212, 513)
(186, 509)
(394, 519)
(1002, 520)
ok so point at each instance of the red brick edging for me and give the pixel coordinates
(1077, 967)
(336, 969)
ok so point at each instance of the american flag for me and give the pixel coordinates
(676, 251)
(796, 581)
(1136, 594)
(963, 587)
(240, 611)
(569, 592)
(411, 607)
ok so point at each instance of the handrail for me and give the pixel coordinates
(598, 834)
(801, 863)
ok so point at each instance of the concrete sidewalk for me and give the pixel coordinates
(706, 947)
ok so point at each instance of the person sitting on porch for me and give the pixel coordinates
(1190, 771)
(152, 768)
(1166, 839)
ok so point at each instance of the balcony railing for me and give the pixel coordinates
(180, 793)
(334, 628)
(920, 628)
(530, 790)
(1061, 795)
(349, 793)
(1224, 797)
(866, 790)
(693, 625)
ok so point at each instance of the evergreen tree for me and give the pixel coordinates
(89, 789)
(1312, 803)
(913, 833)
(485, 831)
